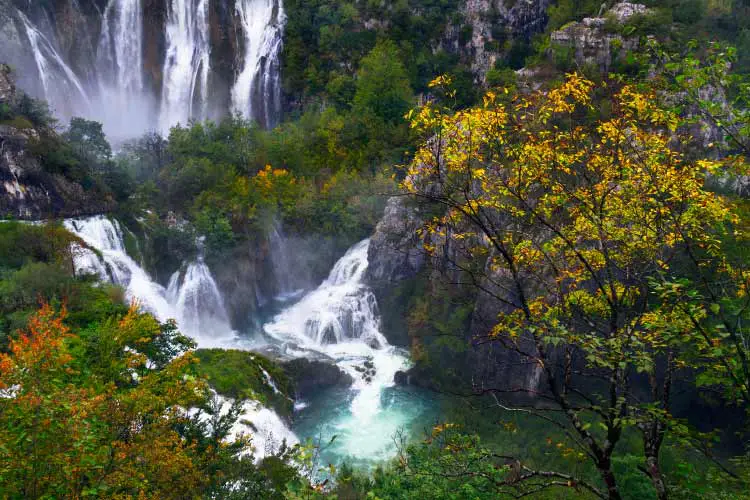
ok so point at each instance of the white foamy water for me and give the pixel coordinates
(193, 298)
(187, 63)
(340, 320)
(257, 90)
(269, 433)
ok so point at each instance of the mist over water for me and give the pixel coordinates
(117, 86)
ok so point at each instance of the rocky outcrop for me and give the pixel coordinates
(396, 252)
(310, 377)
(593, 43)
(490, 24)
(27, 189)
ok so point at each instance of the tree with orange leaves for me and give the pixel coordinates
(100, 424)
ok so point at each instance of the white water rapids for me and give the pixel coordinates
(339, 321)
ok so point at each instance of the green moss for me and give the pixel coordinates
(240, 375)
(19, 122)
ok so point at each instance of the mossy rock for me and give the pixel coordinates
(240, 375)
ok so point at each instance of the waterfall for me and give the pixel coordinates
(59, 82)
(256, 92)
(133, 80)
(340, 320)
(193, 298)
(199, 306)
(341, 309)
(186, 64)
(123, 101)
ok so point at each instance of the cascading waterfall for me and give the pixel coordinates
(59, 81)
(341, 309)
(340, 320)
(119, 82)
(186, 64)
(198, 304)
(193, 298)
(257, 90)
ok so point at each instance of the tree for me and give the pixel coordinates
(564, 218)
(88, 140)
(382, 87)
(89, 417)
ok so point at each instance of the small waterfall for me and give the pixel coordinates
(186, 65)
(59, 82)
(256, 92)
(198, 304)
(115, 264)
(193, 298)
(267, 430)
(341, 309)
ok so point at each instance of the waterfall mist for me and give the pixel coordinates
(152, 69)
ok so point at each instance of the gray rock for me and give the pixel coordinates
(592, 44)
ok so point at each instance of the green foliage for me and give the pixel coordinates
(88, 139)
(382, 87)
(245, 375)
(48, 243)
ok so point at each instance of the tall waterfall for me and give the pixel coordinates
(193, 298)
(186, 64)
(257, 91)
(61, 85)
(147, 71)
(119, 59)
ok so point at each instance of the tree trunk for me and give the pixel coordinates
(608, 476)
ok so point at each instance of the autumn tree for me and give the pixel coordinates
(565, 215)
(92, 416)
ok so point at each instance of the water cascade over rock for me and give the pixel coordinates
(340, 321)
(187, 63)
(192, 298)
(257, 90)
(138, 65)
(119, 61)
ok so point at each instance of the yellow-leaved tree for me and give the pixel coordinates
(566, 214)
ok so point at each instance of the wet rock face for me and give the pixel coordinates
(7, 86)
(395, 252)
(310, 377)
